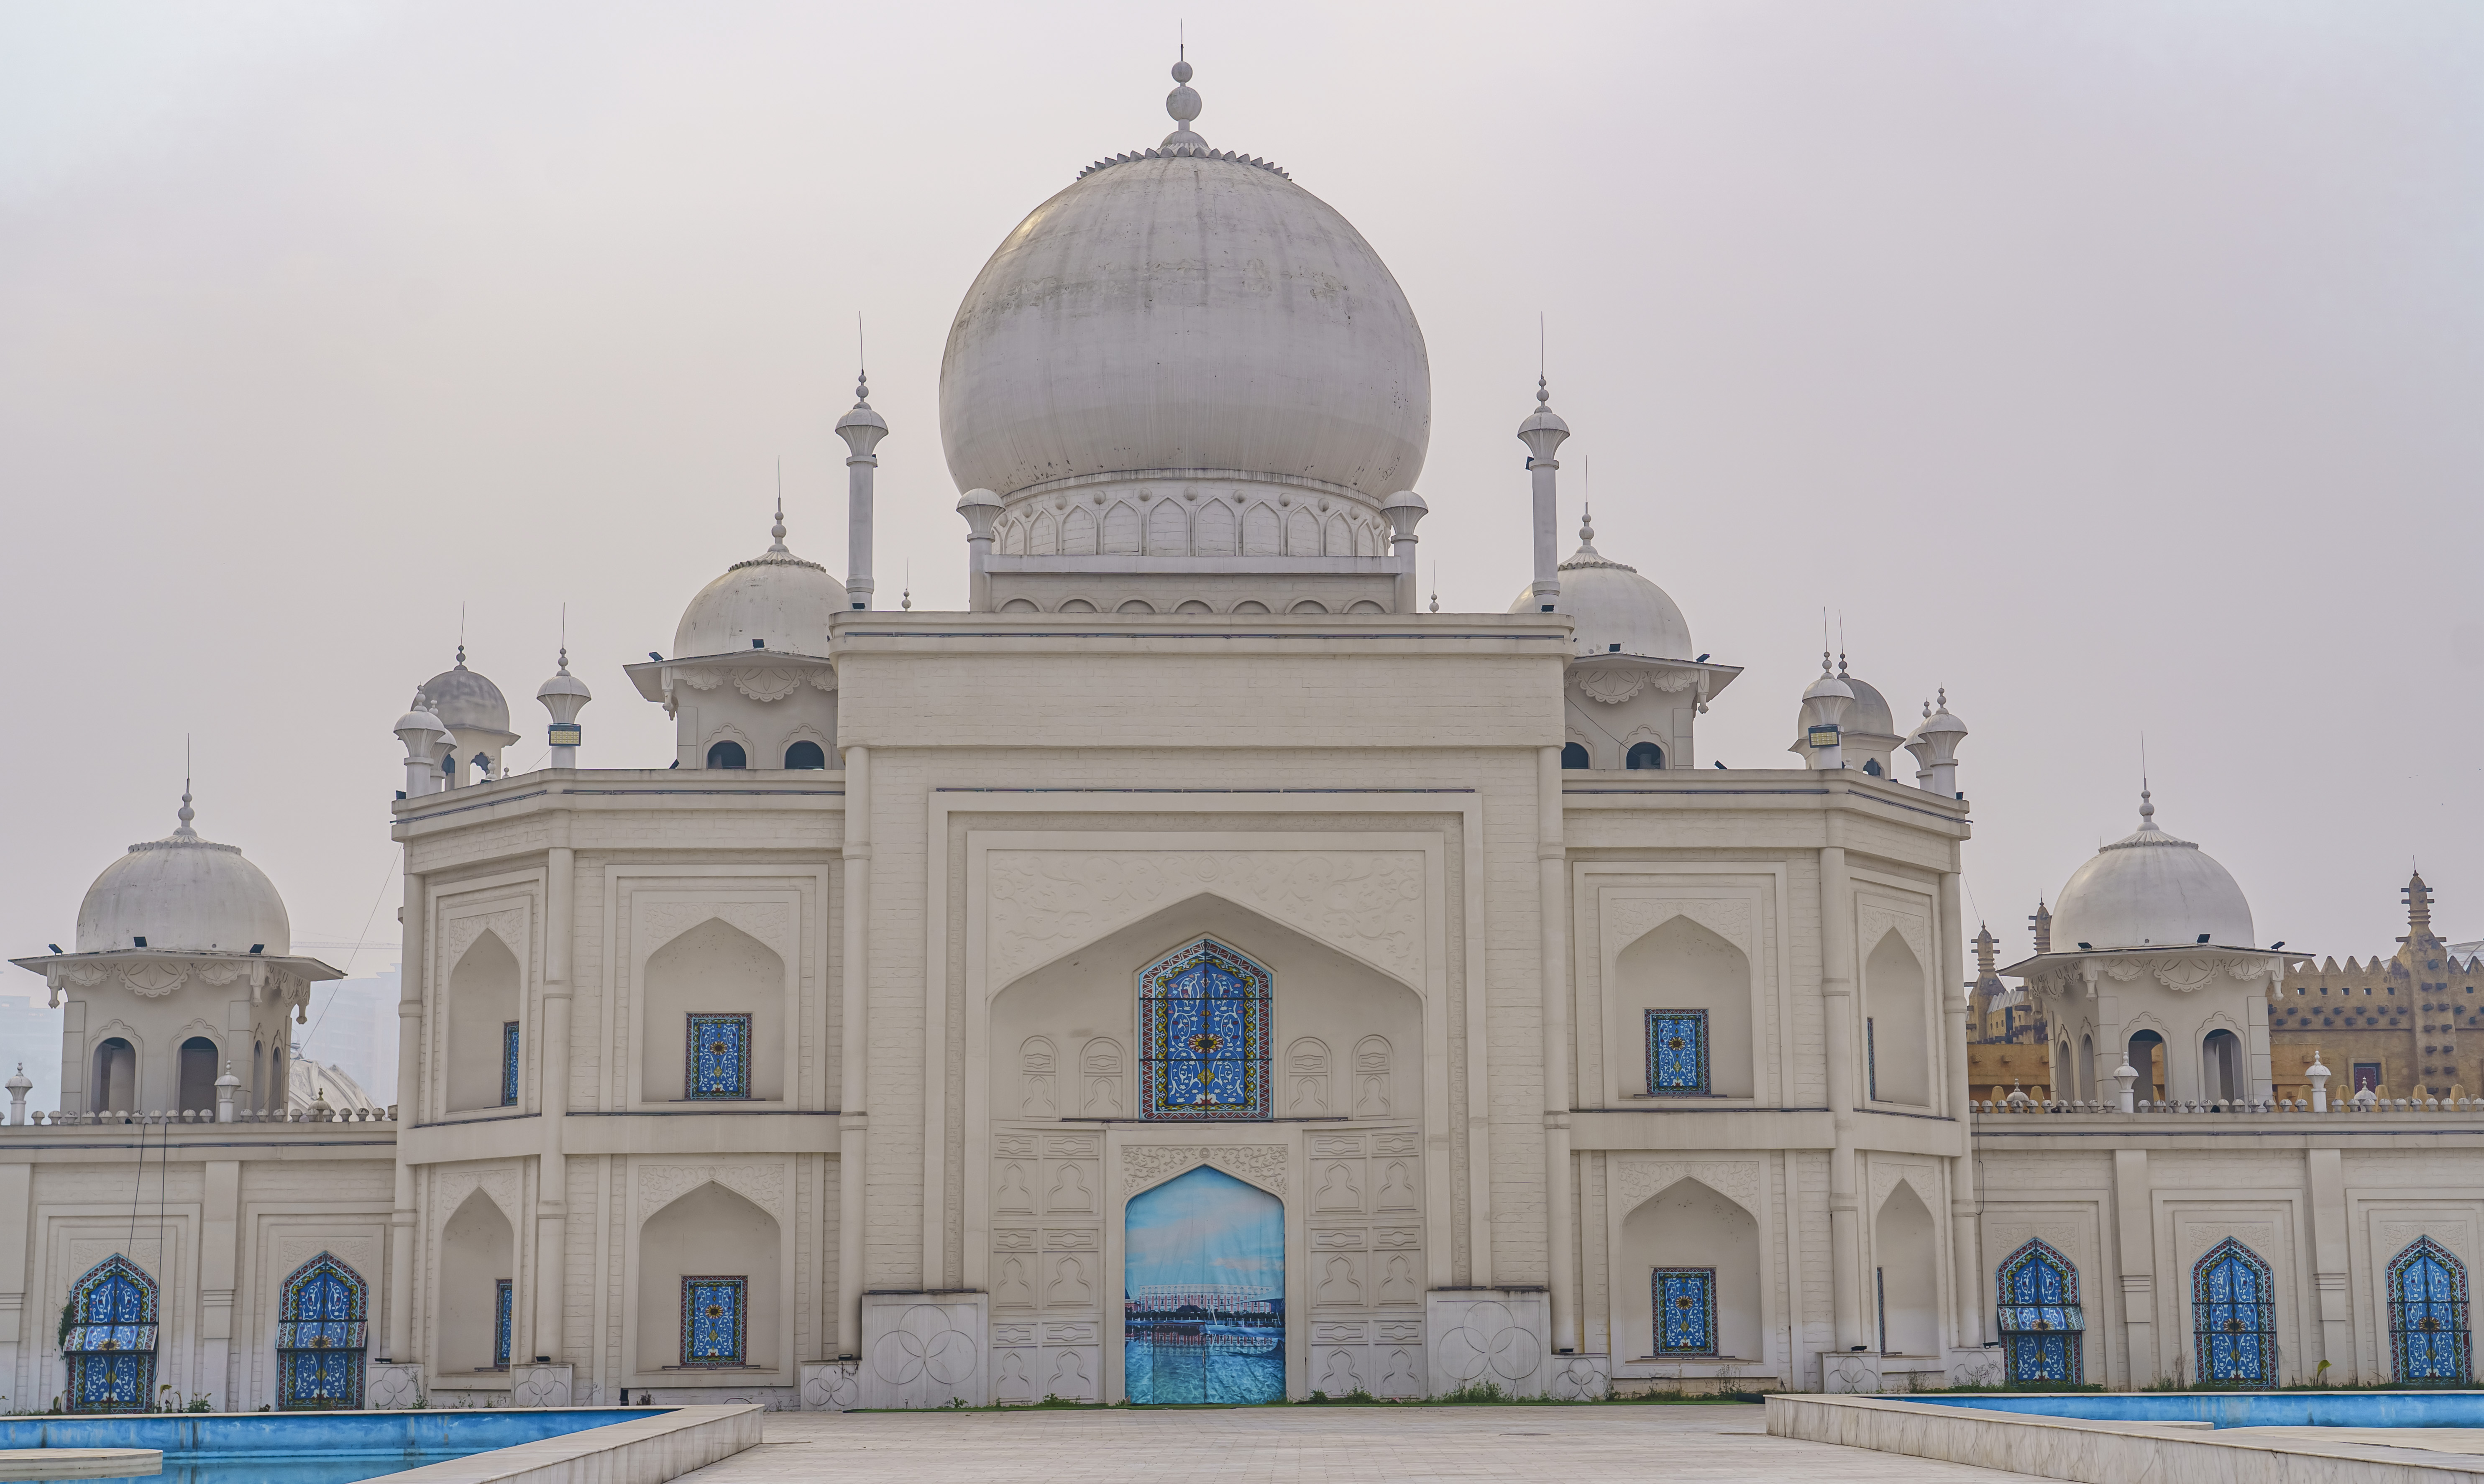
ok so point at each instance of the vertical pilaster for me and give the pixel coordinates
(552, 1183)
(1837, 991)
(16, 1213)
(1965, 1244)
(396, 1341)
(1554, 892)
(2330, 1264)
(219, 1251)
(2135, 1229)
(853, 1096)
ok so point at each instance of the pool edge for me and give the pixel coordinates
(642, 1450)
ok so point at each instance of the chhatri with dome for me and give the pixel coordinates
(1199, 971)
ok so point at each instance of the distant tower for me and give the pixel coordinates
(2418, 905)
(1823, 718)
(564, 695)
(1542, 433)
(2041, 925)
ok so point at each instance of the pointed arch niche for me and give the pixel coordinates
(1684, 965)
(1903, 1290)
(478, 1254)
(1897, 1027)
(1709, 1245)
(687, 1252)
(711, 969)
(484, 1000)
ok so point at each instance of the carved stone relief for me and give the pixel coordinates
(1045, 902)
(1628, 919)
(761, 1185)
(1873, 922)
(769, 922)
(459, 934)
(1151, 1164)
(1636, 1181)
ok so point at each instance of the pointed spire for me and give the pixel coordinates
(461, 654)
(777, 530)
(185, 814)
(1184, 104)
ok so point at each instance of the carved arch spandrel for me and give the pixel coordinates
(1044, 904)
(1628, 919)
(769, 923)
(1148, 1165)
(1636, 1182)
(661, 1185)
(458, 934)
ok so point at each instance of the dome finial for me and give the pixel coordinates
(2147, 807)
(778, 548)
(1184, 104)
(185, 814)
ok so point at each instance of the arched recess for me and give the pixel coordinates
(2147, 1058)
(1683, 966)
(1905, 1293)
(109, 1338)
(705, 1235)
(322, 1330)
(1203, 1287)
(2428, 1314)
(719, 974)
(483, 1003)
(2221, 1066)
(112, 1081)
(1897, 1037)
(200, 1064)
(1168, 530)
(2087, 1066)
(477, 1255)
(1688, 1243)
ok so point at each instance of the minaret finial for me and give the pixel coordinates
(1184, 105)
(185, 814)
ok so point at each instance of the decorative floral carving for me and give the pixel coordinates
(698, 679)
(86, 976)
(1611, 686)
(2248, 969)
(1737, 1180)
(1045, 902)
(2184, 976)
(769, 922)
(1488, 1343)
(766, 685)
(154, 979)
(1628, 919)
(661, 1185)
(1147, 1164)
(220, 973)
(822, 678)
(1673, 682)
(2124, 970)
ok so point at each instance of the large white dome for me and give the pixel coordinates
(775, 597)
(2149, 889)
(182, 892)
(1612, 609)
(1181, 309)
(466, 701)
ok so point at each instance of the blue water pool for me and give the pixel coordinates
(2241, 1409)
(307, 1447)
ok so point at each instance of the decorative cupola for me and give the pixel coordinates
(184, 960)
(1821, 721)
(2153, 941)
(1636, 687)
(564, 695)
(474, 712)
(748, 683)
(1543, 432)
(862, 428)
(428, 745)
(1935, 745)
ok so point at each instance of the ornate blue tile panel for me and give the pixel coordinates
(510, 1065)
(2428, 1324)
(1677, 1052)
(503, 1308)
(714, 1320)
(2234, 1316)
(2041, 1324)
(1685, 1310)
(109, 1349)
(715, 1057)
(322, 1327)
(1204, 1015)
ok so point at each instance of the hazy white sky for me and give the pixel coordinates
(2116, 365)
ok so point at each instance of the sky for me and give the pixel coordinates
(2113, 366)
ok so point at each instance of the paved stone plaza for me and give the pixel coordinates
(1311, 1445)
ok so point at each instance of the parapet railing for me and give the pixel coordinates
(2372, 1107)
(194, 1118)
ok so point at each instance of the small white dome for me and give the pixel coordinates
(775, 597)
(1616, 610)
(1184, 309)
(466, 701)
(182, 892)
(2149, 889)
(1869, 711)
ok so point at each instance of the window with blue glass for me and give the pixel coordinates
(2234, 1316)
(1870, 1062)
(717, 1056)
(1677, 1053)
(108, 1338)
(1203, 1016)
(509, 1064)
(504, 1308)
(716, 1320)
(322, 1326)
(2043, 1327)
(2428, 1335)
(1685, 1300)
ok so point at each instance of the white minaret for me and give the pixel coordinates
(565, 695)
(422, 734)
(1935, 745)
(982, 509)
(862, 429)
(1542, 433)
(1403, 510)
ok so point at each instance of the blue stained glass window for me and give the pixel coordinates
(509, 1064)
(2428, 1333)
(1677, 1052)
(716, 1057)
(714, 1320)
(1870, 1062)
(2043, 1327)
(1685, 1310)
(1204, 1035)
(504, 1308)
(110, 1349)
(2234, 1316)
(322, 1322)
